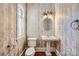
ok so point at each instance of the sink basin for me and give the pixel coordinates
(49, 38)
(32, 38)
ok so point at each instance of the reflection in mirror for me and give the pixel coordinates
(47, 24)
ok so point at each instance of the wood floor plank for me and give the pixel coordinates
(40, 54)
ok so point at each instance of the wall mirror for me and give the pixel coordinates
(47, 24)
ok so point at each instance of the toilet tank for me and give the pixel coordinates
(32, 42)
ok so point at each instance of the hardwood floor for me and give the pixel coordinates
(40, 54)
(53, 54)
(44, 54)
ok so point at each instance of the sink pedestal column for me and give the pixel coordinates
(48, 48)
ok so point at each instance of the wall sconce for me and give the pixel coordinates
(75, 24)
(48, 14)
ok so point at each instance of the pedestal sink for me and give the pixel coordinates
(48, 39)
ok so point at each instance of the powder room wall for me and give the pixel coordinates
(35, 18)
(65, 14)
(8, 29)
(10, 44)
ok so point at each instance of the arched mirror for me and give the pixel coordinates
(47, 24)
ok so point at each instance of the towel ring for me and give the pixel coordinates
(75, 24)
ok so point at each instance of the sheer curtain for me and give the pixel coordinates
(20, 20)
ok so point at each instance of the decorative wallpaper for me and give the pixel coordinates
(35, 19)
(8, 45)
(65, 14)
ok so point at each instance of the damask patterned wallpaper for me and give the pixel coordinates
(8, 44)
(12, 35)
(65, 14)
(35, 19)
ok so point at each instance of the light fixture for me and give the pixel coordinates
(48, 14)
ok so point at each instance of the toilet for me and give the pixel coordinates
(30, 51)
